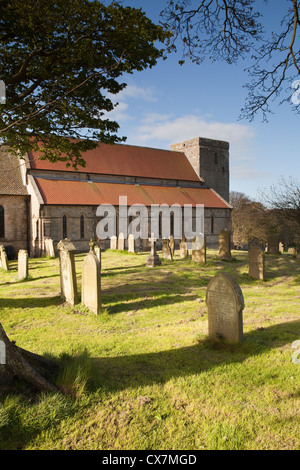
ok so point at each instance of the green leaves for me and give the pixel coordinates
(59, 60)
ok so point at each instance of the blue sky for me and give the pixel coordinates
(171, 103)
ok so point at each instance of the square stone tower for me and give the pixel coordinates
(210, 160)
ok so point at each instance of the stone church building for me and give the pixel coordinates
(41, 200)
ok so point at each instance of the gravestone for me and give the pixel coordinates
(153, 258)
(113, 242)
(291, 250)
(199, 249)
(121, 242)
(68, 282)
(91, 282)
(3, 259)
(256, 263)
(166, 250)
(281, 247)
(131, 248)
(225, 304)
(183, 248)
(172, 245)
(2, 353)
(22, 264)
(224, 244)
(49, 247)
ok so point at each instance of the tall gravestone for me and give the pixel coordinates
(22, 264)
(172, 245)
(225, 304)
(256, 262)
(199, 249)
(113, 242)
(153, 258)
(68, 282)
(166, 250)
(224, 244)
(3, 259)
(121, 242)
(183, 248)
(91, 282)
(131, 247)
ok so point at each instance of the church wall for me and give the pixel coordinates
(15, 222)
(52, 225)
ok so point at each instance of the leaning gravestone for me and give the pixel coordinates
(153, 258)
(3, 259)
(113, 242)
(49, 247)
(225, 303)
(166, 250)
(183, 248)
(68, 282)
(256, 262)
(131, 243)
(121, 242)
(224, 244)
(199, 249)
(22, 264)
(91, 282)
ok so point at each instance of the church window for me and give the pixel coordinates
(1, 222)
(64, 226)
(216, 158)
(212, 224)
(81, 226)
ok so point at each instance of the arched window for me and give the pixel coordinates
(64, 226)
(81, 226)
(2, 222)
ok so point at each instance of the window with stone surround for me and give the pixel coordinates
(82, 226)
(64, 226)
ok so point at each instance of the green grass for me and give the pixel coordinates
(143, 374)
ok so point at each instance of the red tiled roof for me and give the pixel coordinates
(62, 192)
(127, 160)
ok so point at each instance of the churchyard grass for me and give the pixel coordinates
(143, 375)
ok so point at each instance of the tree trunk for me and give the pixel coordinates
(16, 362)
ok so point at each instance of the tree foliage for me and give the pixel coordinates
(60, 60)
(233, 29)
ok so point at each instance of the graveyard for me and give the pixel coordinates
(144, 373)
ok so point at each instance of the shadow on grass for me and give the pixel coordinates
(119, 373)
(31, 302)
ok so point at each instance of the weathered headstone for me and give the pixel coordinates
(68, 282)
(3, 259)
(2, 353)
(281, 247)
(91, 282)
(256, 262)
(166, 250)
(153, 258)
(225, 304)
(113, 242)
(183, 248)
(121, 242)
(172, 245)
(49, 247)
(291, 250)
(273, 244)
(22, 264)
(224, 244)
(131, 247)
(199, 249)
